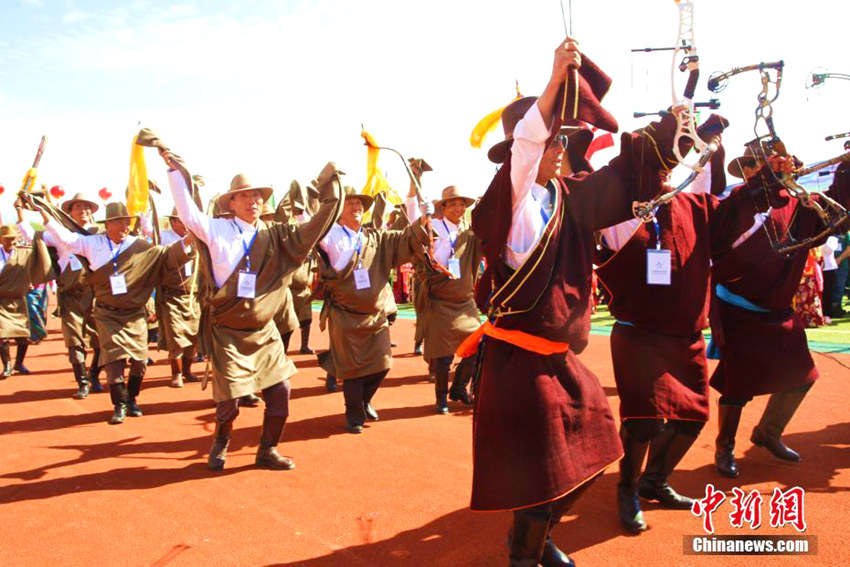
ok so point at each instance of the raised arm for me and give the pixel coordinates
(189, 213)
(75, 243)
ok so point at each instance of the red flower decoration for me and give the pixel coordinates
(57, 191)
(104, 194)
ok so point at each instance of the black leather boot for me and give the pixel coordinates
(724, 446)
(94, 372)
(249, 401)
(330, 383)
(666, 449)
(176, 375)
(628, 505)
(460, 382)
(779, 411)
(441, 388)
(187, 360)
(527, 537)
(417, 348)
(79, 369)
(305, 340)
(221, 441)
(267, 455)
(6, 359)
(20, 353)
(285, 338)
(133, 389)
(119, 395)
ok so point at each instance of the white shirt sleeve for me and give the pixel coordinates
(530, 136)
(412, 206)
(187, 210)
(75, 243)
(26, 230)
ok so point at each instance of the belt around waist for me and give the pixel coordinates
(123, 310)
(737, 300)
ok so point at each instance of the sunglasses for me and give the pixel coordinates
(561, 139)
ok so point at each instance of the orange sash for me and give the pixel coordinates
(519, 339)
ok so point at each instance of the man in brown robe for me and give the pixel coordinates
(246, 261)
(762, 343)
(124, 270)
(302, 204)
(355, 268)
(285, 319)
(447, 313)
(178, 310)
(75, 299)
(20, 268)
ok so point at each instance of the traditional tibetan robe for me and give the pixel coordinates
(178, 310)
(286, 318)
(26, 267)
(301, 288)
(242, 340)
(75, 301)
(121, 320)
(357, 319)
(657, 346)
(762, 343)
(542, 424)
(446, 308)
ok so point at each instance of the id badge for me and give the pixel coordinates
(118, 283)
(75, 263)
(187, 269)
(454, 267)
(246, 285)
(658, 267)
(361, 279)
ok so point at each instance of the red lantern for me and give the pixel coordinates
(57, 191)
(104, 194)
(2, 189)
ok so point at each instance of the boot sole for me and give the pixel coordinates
(274, 467)
(780, 457)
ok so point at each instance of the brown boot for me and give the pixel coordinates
(779, 411)
(176, 376)
(267, 455)
(628, 505)
(187, 360)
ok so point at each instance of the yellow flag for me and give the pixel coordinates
(28, 183)
(375, 180)
(488, 124)
(137, 186)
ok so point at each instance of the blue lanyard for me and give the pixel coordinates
(657, 229)
(350, 236)
(542, 209)
(5, 257)
(449, 236)
(246, 247)
(115, 254)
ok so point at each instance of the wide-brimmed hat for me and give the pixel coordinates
(173, 214)
(9, 231)
(511, 116)
(367, 200)
(241, 183)
(78, 198)
(117, 211)
(751, 158)
(452, 192)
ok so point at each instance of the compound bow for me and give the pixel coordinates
(767, 141)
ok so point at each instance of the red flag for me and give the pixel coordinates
(606, 140)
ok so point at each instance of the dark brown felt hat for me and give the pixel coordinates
(117, 211)
(750, 158)
(452, 192)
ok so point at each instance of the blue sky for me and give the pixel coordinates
(276, 89)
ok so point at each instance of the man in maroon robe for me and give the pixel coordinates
(657, 346)
(762, 343)
(543, 429)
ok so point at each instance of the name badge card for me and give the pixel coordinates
(118, 283)
(454, 268)
(246, 285)
(75, 263)
(361, 279)
(658, 267)
(187, 269)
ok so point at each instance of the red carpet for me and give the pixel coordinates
(76, 491)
